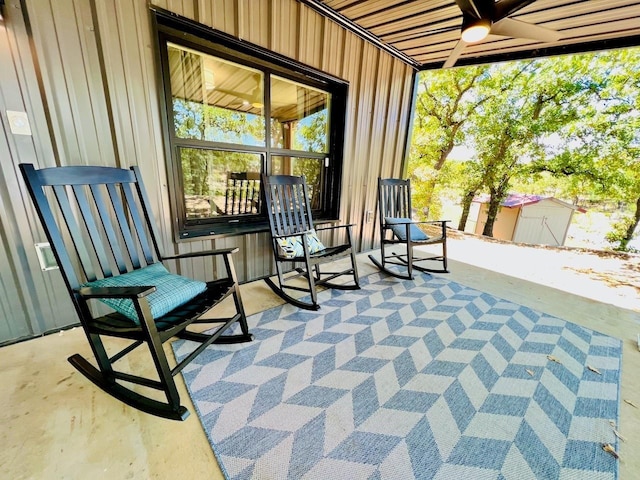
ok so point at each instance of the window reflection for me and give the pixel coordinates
(225, 136)
(299, 116)
(218, 183)
(311, 168)
(216, 100)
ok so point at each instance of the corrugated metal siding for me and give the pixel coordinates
(31, 302)
(88, 82)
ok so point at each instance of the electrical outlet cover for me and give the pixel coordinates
(19, 122)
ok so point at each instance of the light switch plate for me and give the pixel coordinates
(19, 123)
(45, 257)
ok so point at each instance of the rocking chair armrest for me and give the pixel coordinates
(418, 222)
(297, 234)
(442, 223)
(333, 227)
(435, 221)
(218, 251)
(116, 292)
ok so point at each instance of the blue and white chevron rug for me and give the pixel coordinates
(410, 379)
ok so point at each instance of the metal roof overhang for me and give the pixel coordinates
(423, 33)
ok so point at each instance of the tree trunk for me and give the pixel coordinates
(492, 213)
(497, 195)
(466, 206)
(628, 236)
(444, 154)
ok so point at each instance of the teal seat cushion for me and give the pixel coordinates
(399, 228)
(291, 247)
(171, 290)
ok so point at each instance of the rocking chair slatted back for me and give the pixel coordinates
(287, 202)
(89, 219)
(288, 209)
(242, 195)
(395, 198)
(99, 224)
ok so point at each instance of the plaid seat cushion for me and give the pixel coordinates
(171, 290)
(399, 228)
(291, 247)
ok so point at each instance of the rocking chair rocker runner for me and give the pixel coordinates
(294, 241)
(397, 227)
(99, 224)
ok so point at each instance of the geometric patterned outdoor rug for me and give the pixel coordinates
(423, 379)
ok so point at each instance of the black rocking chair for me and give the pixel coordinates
(242, 194)
(99, 224)
(294, 241)
(397, 227)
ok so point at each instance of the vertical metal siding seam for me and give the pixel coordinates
(371, 150)
(21, 214)
(365, 124)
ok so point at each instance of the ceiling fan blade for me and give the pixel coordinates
(234, 93)
(508, 27)
(504, 8)
(476, 8)
(455, 53)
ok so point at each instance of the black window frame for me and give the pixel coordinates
(175, 29)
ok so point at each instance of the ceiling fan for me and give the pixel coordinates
(253, 99)
(483, 17)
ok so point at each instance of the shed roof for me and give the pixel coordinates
(522, 199)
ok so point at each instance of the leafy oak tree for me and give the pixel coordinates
(445, 101)
(617, 127)
(600, 153)
(510, 131)
(570, 125)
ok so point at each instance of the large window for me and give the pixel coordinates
(235, 114)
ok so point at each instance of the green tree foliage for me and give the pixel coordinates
(617, 127)
(203, 170)
(311, 133)
(311, 136)
(566, 126)
(600, 154)
(446, 99)
(509, 129)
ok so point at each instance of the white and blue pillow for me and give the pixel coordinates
(291, 247)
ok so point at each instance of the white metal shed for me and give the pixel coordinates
(525, 219)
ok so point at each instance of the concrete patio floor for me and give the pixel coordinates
(55, 424)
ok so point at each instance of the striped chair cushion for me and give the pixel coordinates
(171, 290)
(399, 228)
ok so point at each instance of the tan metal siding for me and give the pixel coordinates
(333, 49)
(221, 15)
(311, 40)
(88, 80)
(284, 39)
(358, 165)
(253, 21)
(130, 77)
(33, 301)
(375, 150)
